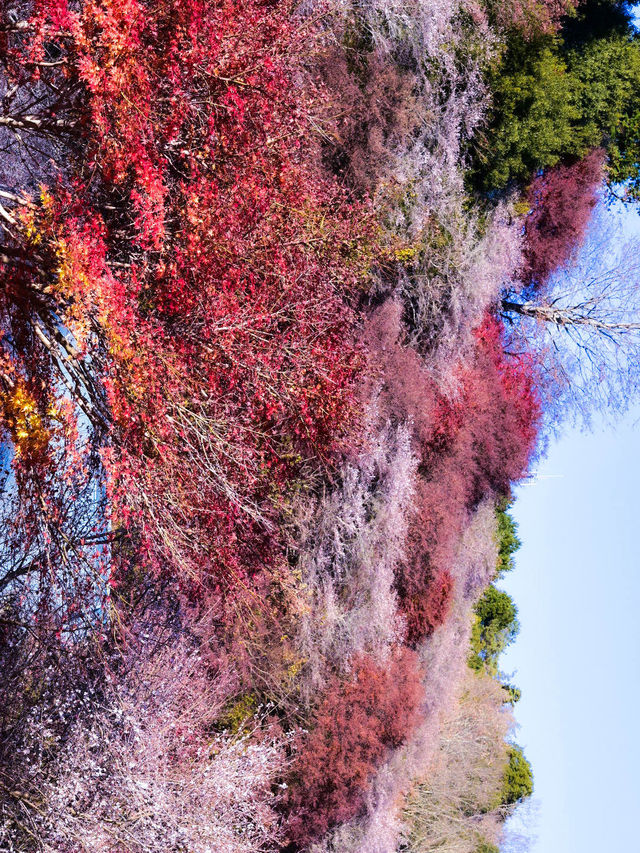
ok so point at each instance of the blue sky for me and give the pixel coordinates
(577, 659)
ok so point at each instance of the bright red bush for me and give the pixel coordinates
(356, 724)
(506, 384)
(488, 431)
(561, 202)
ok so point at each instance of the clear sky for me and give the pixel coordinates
(577, 659)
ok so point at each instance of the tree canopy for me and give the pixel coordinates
(553, 101)
(495, 628)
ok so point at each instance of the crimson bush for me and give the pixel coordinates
(561, 201)
(357, 722)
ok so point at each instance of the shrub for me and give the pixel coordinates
(561, 201)
(426, 606)
(477, 554)
(349, 546)
(128, 761)
(484, 435)
(459, 264)
(407, 92)
(356, 724)
(516, 404)
(403, 29)
(196, 269)
(373, 109)
(472, 444)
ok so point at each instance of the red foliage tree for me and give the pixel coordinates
(356, 724)
(192, 275)
(561, 202)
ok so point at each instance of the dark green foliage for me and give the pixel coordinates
(507, 534)
(534, 114)
(518, 778)
(485, 847)
(593, 20)
(607, 91)
(553, 104)
(496, 626)
(513, 694)
(496, 609)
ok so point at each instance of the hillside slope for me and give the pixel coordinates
(286, 310)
